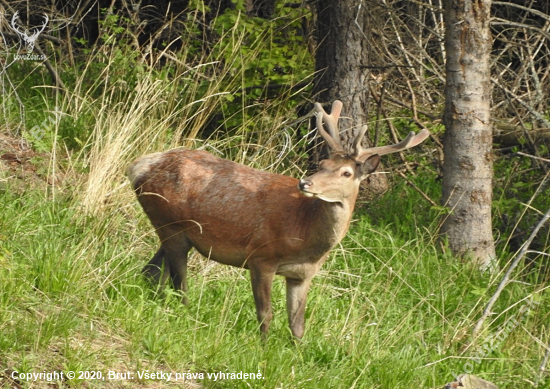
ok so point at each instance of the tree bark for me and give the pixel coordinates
(468, 166)
(342, 52)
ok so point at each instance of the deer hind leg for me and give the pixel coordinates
(157, 270)
(296, 295)
(170, 260)
(262, 281)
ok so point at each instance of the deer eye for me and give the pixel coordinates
(346, 174)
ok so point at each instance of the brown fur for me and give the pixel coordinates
(244, 217)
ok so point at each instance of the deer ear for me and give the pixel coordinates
(369, 165)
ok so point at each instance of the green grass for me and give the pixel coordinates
(384, 312)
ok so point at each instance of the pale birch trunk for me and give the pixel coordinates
(468, 166)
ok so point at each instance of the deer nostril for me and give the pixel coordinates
(305, 184)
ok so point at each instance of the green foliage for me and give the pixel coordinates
(245, 67)
(279, 46)
(266, 57)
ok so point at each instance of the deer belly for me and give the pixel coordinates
(298, 271)
(222, 253)
(217, 245)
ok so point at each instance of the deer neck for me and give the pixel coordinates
(331, 221)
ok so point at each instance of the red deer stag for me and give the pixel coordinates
(265, 222)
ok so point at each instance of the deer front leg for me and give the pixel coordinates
(178, 273)
(296, 295)
(176, 251)
(262, 281)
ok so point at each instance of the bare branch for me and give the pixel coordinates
(528, 9)
(540, 117)
(534, 157)
(506, 278)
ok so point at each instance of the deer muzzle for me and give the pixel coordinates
(305, 186)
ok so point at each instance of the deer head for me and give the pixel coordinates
(339, 176)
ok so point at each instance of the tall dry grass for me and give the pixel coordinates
(162, 112)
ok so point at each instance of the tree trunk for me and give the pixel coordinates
(468, 166)
(342, 51)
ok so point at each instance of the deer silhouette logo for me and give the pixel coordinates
(27, 37)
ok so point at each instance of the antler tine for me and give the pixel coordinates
(357, 148)
(333, 135)
(332, 142)
(333, 118)
(13, 20)
(410, 141)
(45, 23)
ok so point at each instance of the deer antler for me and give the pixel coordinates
(24, 34)
(47, 19)
(332, 137)
(14, 26)
(410, 141)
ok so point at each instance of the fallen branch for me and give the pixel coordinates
(428, 199)
(512, 135)
(534, 157)
(506, 278)
(53, 73)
